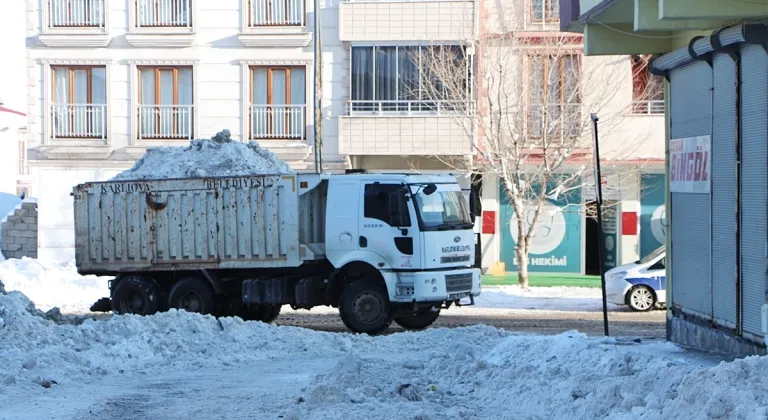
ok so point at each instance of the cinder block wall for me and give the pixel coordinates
(19, 233)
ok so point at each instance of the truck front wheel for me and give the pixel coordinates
(418, 321)
(365, 307)
(135, 295)
(192, 295)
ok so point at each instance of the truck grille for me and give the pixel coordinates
(454, 259)
(458, 282)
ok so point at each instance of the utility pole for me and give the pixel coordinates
(318, 125)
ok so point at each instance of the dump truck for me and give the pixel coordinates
(379, 247)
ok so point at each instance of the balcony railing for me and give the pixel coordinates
(76, 13)
(648, 107)
(278, 122)
(79, 121)
(406, 108)
(276, 13)
(163, 13)
(165, 122)
(555, 120)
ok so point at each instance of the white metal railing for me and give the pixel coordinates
(278, 122)
(79, 121)
(76, 13)
(555, 120)
(165, 121)
(648, 107)
(363, 107)
(276, 12)
(164, 13)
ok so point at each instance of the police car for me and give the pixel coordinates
(640, 285)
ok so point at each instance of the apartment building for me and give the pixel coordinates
(109, 78)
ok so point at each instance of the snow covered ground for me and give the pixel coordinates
(177, 365)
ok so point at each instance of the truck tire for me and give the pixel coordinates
(136, 295)
(192, 295)
(263, 313)
(417, 321)
(365, 307)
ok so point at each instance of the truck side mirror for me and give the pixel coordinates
(472, 206)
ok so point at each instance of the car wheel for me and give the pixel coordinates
(641, 299)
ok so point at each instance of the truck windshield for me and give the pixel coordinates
(443, 210)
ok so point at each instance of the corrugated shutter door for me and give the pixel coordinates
(691, 111)
(754, 183)
(724, 188)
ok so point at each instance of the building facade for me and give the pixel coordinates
(716, 140)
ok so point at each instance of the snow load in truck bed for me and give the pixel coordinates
(219, 156)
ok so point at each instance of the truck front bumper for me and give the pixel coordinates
(433, 286)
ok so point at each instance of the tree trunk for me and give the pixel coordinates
(521, 254)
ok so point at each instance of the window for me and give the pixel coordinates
(276, 13)
(278, 102)
(163, 13)
(165, 103)
(79, 108)
(398, 79)
(545, 10)
(21, 168)
(554, 96)
(76, 13)
(647, 88)
(379, 204)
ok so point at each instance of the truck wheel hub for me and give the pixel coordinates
(191, 303)
(367, 307)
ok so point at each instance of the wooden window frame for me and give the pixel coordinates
(252, 89)
(547, 18)
(158, 70)
(561, 81)
(71, 84)
(250, 3)
(157, 13)
(69, 15)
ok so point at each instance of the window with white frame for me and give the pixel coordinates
(76, 13)
(275, 13)
(544, 11)
(165, 102)
(163, 13)
(278, 102)
(554, 105)
(405, 79)
(79, 106)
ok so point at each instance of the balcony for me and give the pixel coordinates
(166, 122)
(162, 23)
(278, 122)
(79, 121)
(411, 128)
(274, 23)
(75, 23)
(648, 107)
(416, 20)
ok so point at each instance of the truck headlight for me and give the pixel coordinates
(617, 276)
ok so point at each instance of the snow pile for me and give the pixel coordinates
(218, 157)
(51, 284)
(542, 298)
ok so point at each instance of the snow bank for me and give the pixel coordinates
(542, 298)
(219, 156)
(51, 284)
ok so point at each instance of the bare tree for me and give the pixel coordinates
(525, 99)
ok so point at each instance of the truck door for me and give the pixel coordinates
(388, 226)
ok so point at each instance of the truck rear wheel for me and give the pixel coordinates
(192, 295)
(365, 307)
(135, 295)
(418, 321)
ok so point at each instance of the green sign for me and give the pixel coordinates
(610, 238)
(556, 242)
(653, 220)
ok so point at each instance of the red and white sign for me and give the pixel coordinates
(689, 165)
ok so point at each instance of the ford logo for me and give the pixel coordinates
(457, 239)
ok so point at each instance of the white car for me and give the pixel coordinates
(641, 285)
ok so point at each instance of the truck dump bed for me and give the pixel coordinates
(187, 224)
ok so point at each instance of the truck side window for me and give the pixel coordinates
(377, 204)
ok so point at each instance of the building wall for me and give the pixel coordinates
(19, 232)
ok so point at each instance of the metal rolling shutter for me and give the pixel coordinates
(691, 111)
(724, 189)
(754, 183)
